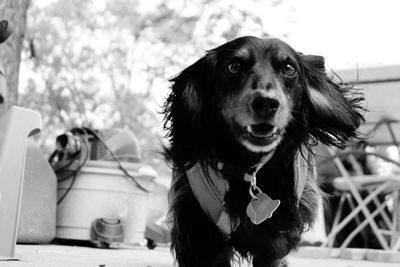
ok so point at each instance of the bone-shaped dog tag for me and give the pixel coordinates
(261, 208)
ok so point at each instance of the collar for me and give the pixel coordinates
(229, 170)
(210, 187)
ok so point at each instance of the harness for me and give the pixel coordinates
(210, 187)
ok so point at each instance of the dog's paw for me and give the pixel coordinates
(283, 263)
(280, 263)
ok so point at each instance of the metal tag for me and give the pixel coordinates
(261, 208)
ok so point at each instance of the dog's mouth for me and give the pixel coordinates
(263, 131)
(261, 137)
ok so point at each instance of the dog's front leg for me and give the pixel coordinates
(280, 263)
(272, 254)
(195, 239)
(275, 263)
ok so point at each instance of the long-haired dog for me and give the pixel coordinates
(241, 123)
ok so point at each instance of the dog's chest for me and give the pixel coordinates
(275, 179)
(232, 198)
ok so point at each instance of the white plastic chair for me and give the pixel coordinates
(15, 127)
(351, 187)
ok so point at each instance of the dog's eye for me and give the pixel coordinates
(288, 70)
(234, 68)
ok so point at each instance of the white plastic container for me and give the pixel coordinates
(101, 190)
(37, 221)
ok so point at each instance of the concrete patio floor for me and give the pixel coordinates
(73, 256)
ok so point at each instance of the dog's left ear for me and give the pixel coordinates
(190, 86)
(335, 111)
(185, 107)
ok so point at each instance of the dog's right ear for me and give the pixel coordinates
(184, 108)
(335, 109)
(189, 88)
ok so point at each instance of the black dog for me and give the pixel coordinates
(250, 108)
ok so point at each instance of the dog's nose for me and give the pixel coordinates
(264, 106)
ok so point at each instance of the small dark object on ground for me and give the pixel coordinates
(5, 31)
(151, 244)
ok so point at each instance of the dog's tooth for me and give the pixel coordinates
(276, 132)
(248, 128)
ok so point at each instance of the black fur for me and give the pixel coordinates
(201, 129)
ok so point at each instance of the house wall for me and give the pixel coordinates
(381, 87)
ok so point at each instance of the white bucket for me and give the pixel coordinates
(101, 190)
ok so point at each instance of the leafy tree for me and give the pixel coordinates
(14, 11)
(106, 64)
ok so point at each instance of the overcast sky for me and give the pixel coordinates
(346, 32)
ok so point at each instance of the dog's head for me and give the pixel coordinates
(255, 93)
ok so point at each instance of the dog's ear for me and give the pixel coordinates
(190, 86)
(335, 109)
(185, 107)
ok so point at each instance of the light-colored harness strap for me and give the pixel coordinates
(210, 187)
(210, 192)
(303, 169)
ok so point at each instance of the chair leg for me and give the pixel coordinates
(395, 241)
(358, 220)
(385, 216)
(362, 207)
(331, 238)
(362, 225)
(396, 246)
(362, 204)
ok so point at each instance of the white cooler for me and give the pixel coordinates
(102, 190)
